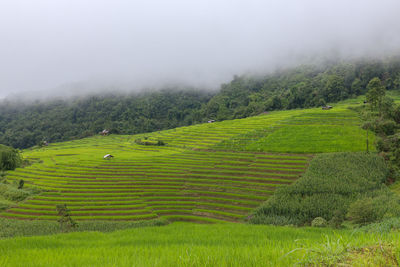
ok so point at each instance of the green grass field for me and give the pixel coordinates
(186, 244)
(207, 173)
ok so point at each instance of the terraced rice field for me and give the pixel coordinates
(207, 172)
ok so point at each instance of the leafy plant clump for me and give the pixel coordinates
(327, 189)
(149, 142)
(319, 222)
(9, 158)
(385, 226)
(372, 209)
(65, 220)
(11, 193)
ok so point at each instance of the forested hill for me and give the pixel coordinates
(26, 125)
(301, 87)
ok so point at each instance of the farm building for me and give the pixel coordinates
(108, 156)
(105, 132)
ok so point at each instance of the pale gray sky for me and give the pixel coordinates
(45, 44)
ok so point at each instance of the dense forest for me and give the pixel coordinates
(24, 125)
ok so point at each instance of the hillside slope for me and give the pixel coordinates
(24, 125)
(206, 172)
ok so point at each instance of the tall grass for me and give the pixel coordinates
(13, 228)
(186, 244)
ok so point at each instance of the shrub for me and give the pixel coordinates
(9, 158)
(319, 222)
(385, 226)
(382, 204)
(387, 127)
(147, 142)
(21, 184)
(4, 205)
(362, 211)
(13, 194)
(337, 219)
(2, 176)
(65, 220)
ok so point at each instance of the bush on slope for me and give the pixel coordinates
(331, 183)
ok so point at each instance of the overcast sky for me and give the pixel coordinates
(50, 44)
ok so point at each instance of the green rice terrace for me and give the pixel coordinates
(210, 172)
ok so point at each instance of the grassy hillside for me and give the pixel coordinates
(183, 244)
(331, 183)
(206, 172)
(25, 124)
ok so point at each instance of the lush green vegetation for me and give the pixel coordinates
(306, 131)
(208, 173)
(13, 228)
(184, 244)
(382, 116)
(196, 176)
(305, 86)
(9, 158)
(24, 125)
(334, 185)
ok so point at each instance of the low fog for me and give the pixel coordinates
(69, 47)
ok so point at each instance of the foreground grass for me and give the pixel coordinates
(14, 228)
(187, 244)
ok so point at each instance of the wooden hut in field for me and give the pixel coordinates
(104, 132)
(108, 156)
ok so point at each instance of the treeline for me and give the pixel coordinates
(301, 87)
(25, 125)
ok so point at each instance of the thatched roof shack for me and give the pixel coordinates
(104, 132)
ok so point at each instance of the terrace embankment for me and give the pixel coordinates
(207, 172)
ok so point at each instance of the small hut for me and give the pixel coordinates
(104, 132)
(108, 156)
(326, 107)
(211, 121)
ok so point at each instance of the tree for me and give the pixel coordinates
(375, 94)
(356, 87)
(9, 158)
(334, 88)
(396, 82)
(65, 220)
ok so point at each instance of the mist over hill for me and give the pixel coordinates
(25, 124)
(142, 44)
